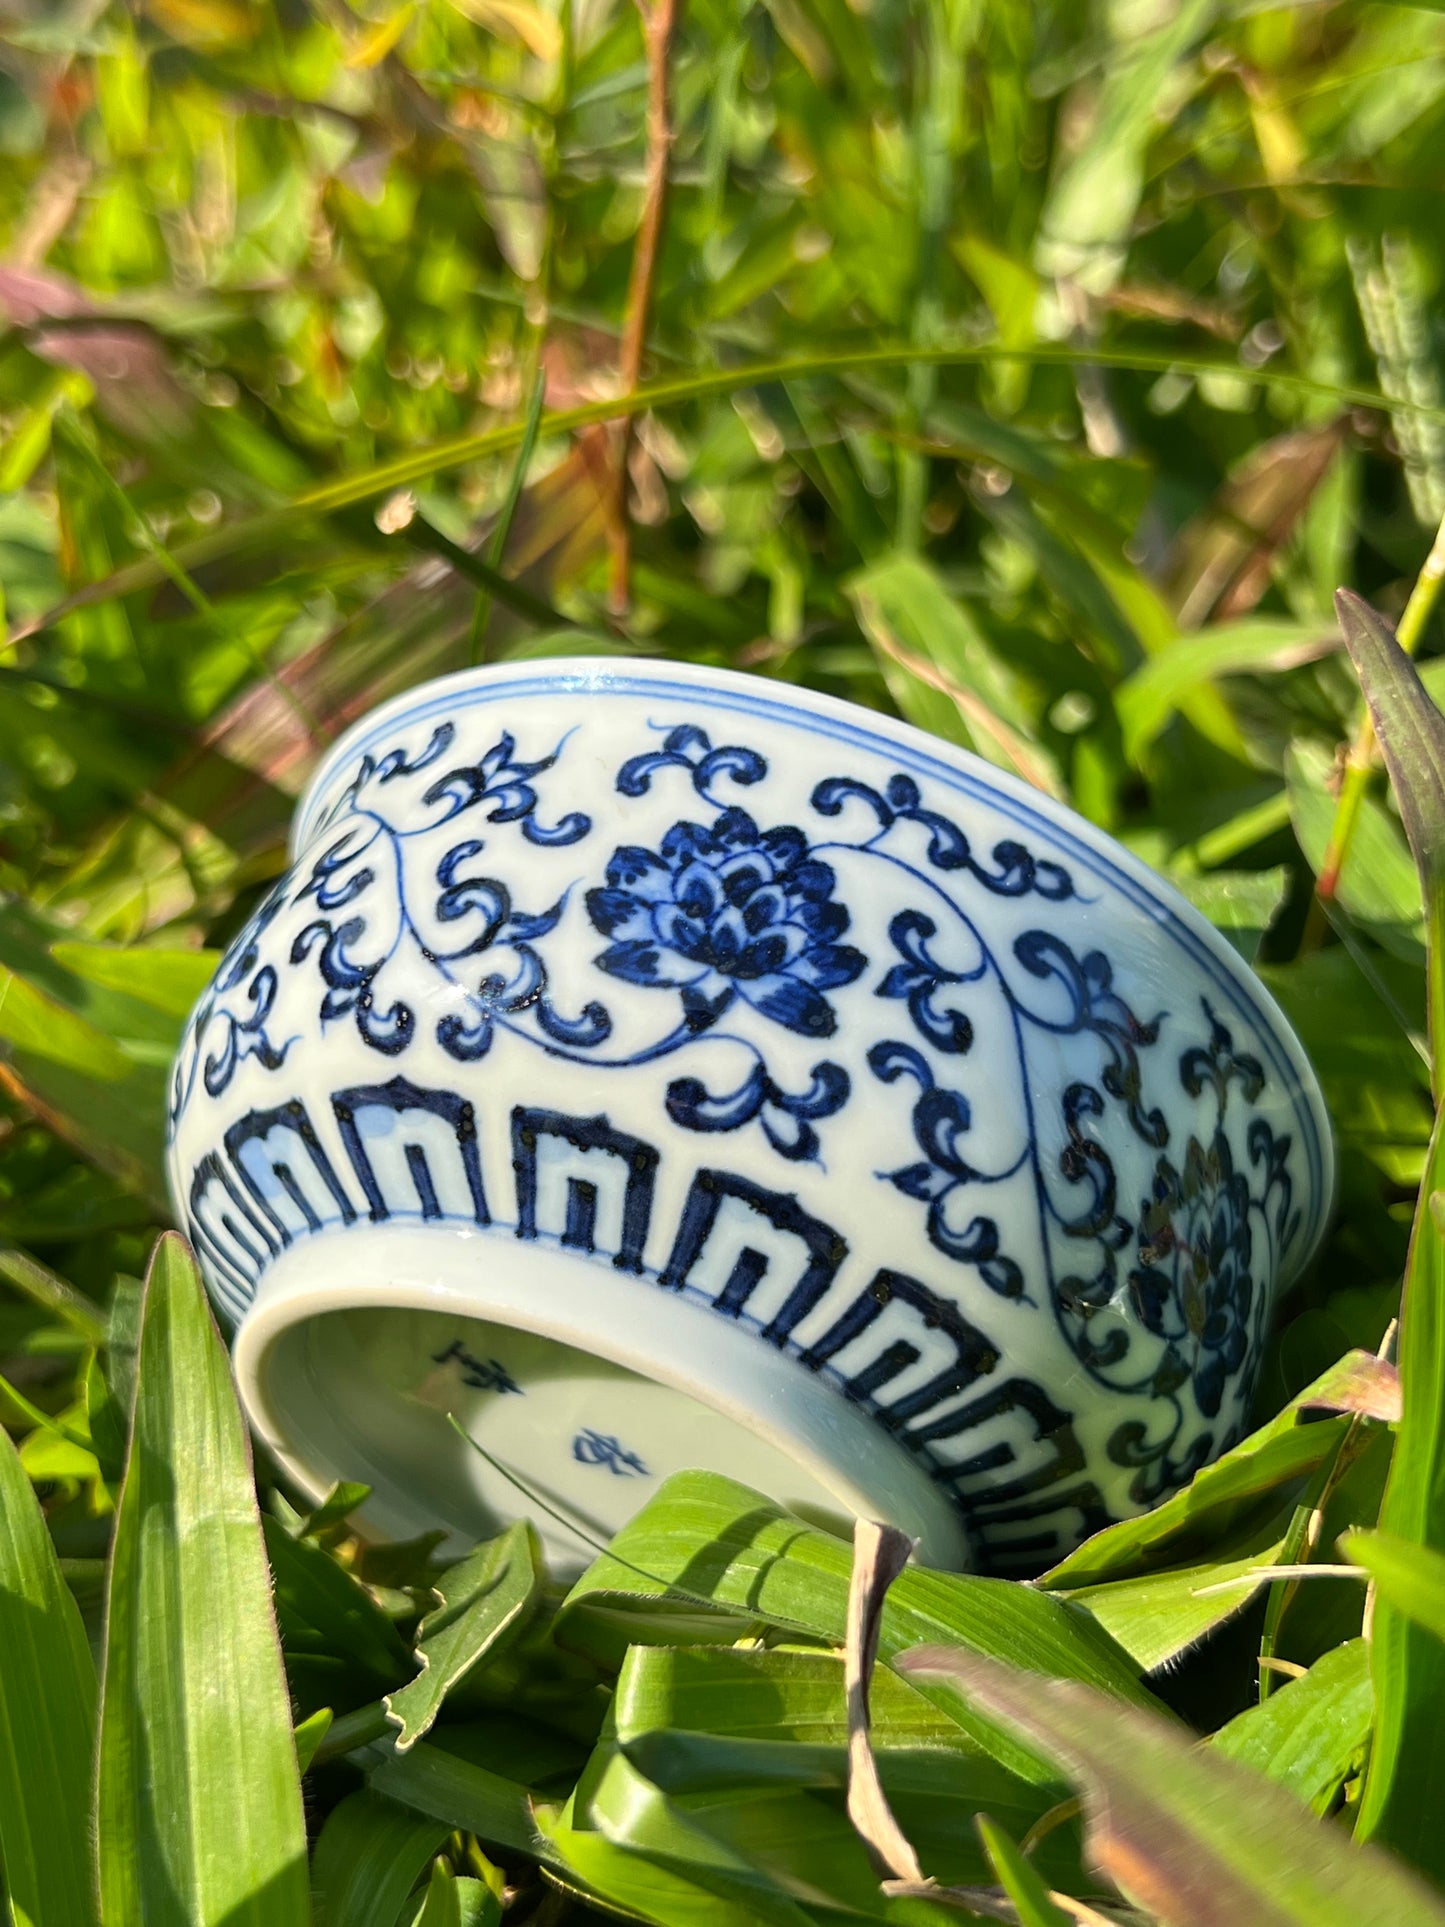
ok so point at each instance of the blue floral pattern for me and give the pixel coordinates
(1192, 1281)
(1200, 1249)
(729, 912)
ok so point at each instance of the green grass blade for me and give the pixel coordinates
(325, 1614)
(1194, 1520)
(371, 1855)
(1410, 728)
(639, 1853)
(1311, 1733)
(749, 1727)
(338, 1505)
(486, 1602)
(1017, 1877)
(1163, 684)
(59, 1426)
(1379, 882)
(86, 1056)
(33, 1022)
(502, 527)
(309, 1735)
(200, 1819)
(1412, 735)
(47, 1719)
(1411, 1578)
(461, 1794)
(1400, 1806)
(457, 1902)
(750, 1694)
(1156, 1616)
(766, 1842)
(170, 980)
(52, 1294)
(1196, 1839)
(723, 1544)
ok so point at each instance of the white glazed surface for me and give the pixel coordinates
(937, 1158)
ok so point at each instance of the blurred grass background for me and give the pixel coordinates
(1034, 370)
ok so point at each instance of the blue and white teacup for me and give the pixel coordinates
(655, 1067)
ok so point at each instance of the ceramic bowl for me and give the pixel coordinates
(649, 1067)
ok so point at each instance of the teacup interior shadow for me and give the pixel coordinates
(372, 1394)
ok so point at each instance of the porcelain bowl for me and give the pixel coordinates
(643, 1067)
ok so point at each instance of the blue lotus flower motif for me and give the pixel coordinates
(724, 912)
(1194, 1285)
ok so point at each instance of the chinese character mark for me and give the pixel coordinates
(602, 1448)
(482, 1374)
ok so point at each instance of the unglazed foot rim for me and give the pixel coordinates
(830, 1451)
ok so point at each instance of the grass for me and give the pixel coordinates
(1037, 372)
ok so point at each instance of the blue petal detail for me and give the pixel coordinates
(726, 908)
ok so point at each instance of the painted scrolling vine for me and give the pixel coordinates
(727, 920)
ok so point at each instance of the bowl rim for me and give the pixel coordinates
(824, 716)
